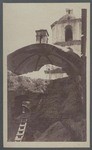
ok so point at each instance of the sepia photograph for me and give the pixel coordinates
(46, 57)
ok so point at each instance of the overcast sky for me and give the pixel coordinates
(21, 20)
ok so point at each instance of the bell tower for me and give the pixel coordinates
(67, 31)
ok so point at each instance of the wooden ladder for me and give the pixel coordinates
(21, 130)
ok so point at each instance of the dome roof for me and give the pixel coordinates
(66, 18)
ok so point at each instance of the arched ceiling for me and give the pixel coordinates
(33, 57)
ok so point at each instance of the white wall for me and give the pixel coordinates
(58, 31)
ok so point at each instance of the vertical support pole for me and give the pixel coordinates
(83, 52)
(84, 26)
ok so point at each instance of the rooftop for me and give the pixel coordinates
(69, 16)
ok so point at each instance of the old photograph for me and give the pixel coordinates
(46, 56)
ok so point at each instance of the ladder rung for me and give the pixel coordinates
(20, 130)
(17, 138)
(20, 134)
(22, 125)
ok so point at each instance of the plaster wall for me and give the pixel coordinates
(58, 31)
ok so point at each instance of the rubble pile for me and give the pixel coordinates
(56, 108)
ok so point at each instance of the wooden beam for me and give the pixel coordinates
(84, 32)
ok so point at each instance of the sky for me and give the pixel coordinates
(20, 20)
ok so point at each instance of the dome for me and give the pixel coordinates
(69, 16)
(66, 18)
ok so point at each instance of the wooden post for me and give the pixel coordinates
(83, 37)
(83, 52)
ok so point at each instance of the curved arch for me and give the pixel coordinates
(18, 64)
(68, 33)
